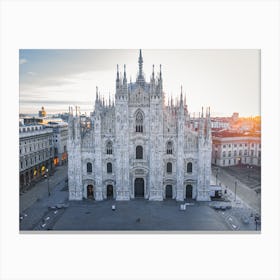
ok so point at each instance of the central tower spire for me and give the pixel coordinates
(140, 78)
(140, 62)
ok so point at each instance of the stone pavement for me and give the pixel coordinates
(243, 206)
(140, 215)
(40, 190)
(245, 195)
(35, 203)
(42, 212)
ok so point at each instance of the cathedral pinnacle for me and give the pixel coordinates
(124, 73)
(118, 74)
(140, 78)
(140, 62)
(181, 96)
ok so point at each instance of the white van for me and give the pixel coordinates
(215, 191)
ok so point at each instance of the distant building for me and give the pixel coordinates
(63, 116)
(235, 117)
(232, 148)
(60, 137)
(32, 120)
(42, 112)
(35, 153)
(221, 123)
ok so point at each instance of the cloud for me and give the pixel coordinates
(22, 61)
(31, 73)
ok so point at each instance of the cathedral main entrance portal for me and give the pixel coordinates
(189, 191)
(90, 192)
(139, 187)
(168, 192)
(110, 192)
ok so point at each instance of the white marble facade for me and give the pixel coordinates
(140, 146)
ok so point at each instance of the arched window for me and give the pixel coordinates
(139, 152)
(109, 167)
(139, 122)
(109, 148)
(169, 148)
(169, 167)
(89, 167)
(189, 167)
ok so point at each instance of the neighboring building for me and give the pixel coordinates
(42, 113)
(63, 116)
(139, 147)
(235, 117)
(232, 148)
(60, 138)
(220, 123)
(35, 153)
(32, 120)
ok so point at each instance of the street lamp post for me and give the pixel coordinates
(47, 176)
(235, 185)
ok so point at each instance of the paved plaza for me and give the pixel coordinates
(40, 212)
(139, 214)
(244, 181)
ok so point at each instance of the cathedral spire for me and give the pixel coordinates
(140, 63)
(118, 81)
(140, 78)
(96, 94)
(124, 74)
(118, 74)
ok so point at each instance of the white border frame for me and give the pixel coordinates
(156, 24)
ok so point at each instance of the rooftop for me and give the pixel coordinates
(230, 133)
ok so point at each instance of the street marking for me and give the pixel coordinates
(55, 212)
(47, 218)
(234, 226)
(230, 218)
(43, 225)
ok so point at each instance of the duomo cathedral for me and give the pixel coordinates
(139, 146)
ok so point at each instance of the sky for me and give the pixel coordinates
(226, 80)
